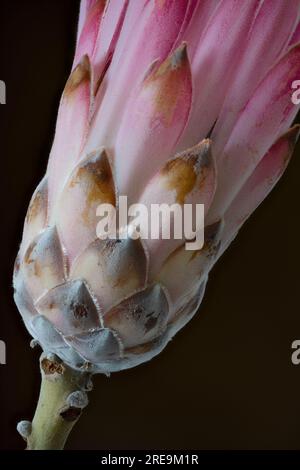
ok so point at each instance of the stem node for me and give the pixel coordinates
(62, 399)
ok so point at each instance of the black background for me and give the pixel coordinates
(226, 381)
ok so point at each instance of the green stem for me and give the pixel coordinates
(62, 398)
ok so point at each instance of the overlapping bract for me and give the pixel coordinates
(151, 80)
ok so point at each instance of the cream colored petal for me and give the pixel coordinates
(141, 317)
(90, 185)
(43, 263)
(36, 217)
(70, 308)
(112, 268)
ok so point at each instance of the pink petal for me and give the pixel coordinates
(71, 129)
(215, 63)
(267, 114)
(90, 185)
(190, 12)
(200, 13)
(100, 24)
(85, 6)
(134, 14)
(260, 183)
(268, 38)
(108, 35)
(149, 32)
(152, 123)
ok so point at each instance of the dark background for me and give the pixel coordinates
(226, 381)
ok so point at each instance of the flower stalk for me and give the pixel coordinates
(62, 399)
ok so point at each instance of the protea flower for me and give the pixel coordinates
(168, 101)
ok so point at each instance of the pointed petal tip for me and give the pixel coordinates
(203, 153)
(213, 230)
(176, 61)
(179, 56)
(293, 135)
(100, 154)
(97, 170)
(80, 74)
(184, 170)
(43, 265)
(207, 142)
(141, 317)
(97, 346)
(198, 155)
